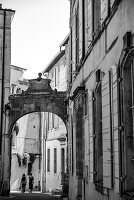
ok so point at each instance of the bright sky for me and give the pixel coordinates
(38, 28)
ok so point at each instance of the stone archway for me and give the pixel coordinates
(39, 97)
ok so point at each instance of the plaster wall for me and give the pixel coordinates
(103, 57)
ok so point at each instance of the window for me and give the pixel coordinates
(126, 124)
(56, 76)
(98, 149)
(62, 160)
(29, 168)
(55, 160)
(48, 160)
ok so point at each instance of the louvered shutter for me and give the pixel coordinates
(80, 30)
(106, 131)
(104, 10)
(73, 43)
(90, 103)
(89, 22)
(115, 127)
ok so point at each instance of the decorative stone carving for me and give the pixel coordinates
(39, 97)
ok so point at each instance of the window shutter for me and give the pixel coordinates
(104, 10)
(80, 30)
(106, 131)
(115, 127)
(90, 103)
(73, 43)
(77, 27)
(89, 22)
(111, 3)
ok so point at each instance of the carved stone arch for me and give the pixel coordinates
(39, 97)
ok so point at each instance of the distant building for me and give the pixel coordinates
(17, 81)
(56, 140)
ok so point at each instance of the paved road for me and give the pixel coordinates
(31, 196)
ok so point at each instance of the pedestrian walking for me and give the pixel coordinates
(23, 183)
(31, 182)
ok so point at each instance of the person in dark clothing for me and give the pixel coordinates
(23, 183)
(31, 182)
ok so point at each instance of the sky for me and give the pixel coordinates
(37, 30)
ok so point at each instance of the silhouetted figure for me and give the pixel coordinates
(23, 183)
(31, 182)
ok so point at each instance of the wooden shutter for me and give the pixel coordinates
(115, 127)
(73, 43)
(80, 30)
(90, 103)
(106, 131)
(89, 22)
(104, 10)
(77, 36)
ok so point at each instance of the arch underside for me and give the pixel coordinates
(25, 104)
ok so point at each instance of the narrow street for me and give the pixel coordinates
(30, 196)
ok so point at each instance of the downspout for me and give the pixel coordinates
(111, 127)
(40, 117)
(94, 161)
(2, 83)
(120, 131)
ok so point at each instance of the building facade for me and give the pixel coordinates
(100, 100)
(56, 140)
(6, 16)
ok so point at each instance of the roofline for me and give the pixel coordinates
(64, 42)
(20, 68)
(54, 61)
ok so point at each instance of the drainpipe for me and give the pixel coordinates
(111, 126)
(2, 83)
(40, 124)
(43, 162)
(120, 130)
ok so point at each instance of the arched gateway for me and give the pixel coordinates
(39, 97)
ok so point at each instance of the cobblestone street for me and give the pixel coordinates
(29, 196)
